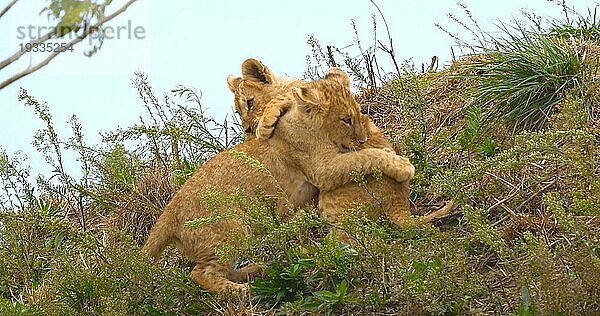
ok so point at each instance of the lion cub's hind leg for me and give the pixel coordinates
(212, 276)
(394, 197)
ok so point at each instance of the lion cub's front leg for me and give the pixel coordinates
(334, 170)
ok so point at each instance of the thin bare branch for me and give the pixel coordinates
(21, 52)
(47, 36)
(7, 8)
(390, 50)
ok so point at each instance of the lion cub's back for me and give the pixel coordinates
(226, 173)
(377, 197)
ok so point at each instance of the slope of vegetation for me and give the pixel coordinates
(511, 134)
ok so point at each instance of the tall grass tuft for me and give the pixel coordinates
(525, 77)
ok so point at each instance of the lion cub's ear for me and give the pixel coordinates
(338, 75)
(254, 70)
(306, 98)
(233, 82)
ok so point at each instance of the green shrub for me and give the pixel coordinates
(285, 284)
(50, 266)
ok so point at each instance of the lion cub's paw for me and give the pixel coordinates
(403, 170)
(266, 125)
(263, 131)
(247, 273)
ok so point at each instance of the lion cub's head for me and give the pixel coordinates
(332, 110)
(257, 86)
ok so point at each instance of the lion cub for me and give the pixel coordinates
(379, 197)
(302, 154)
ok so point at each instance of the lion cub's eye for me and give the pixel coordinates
(347, 120)
(250, 103)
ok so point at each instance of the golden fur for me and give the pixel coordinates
(379, 197)
(302, 155)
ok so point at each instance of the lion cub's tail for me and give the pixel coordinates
(447, 209)
(161, 235)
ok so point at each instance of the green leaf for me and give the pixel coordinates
(326, 296)
(58, 239)
(342, 288)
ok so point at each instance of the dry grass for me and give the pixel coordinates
(136, 209)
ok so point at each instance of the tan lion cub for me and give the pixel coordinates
(302, 152)
(259, 85)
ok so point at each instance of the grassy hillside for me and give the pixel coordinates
(511, 134)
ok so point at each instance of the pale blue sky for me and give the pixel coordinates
(199, 43)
